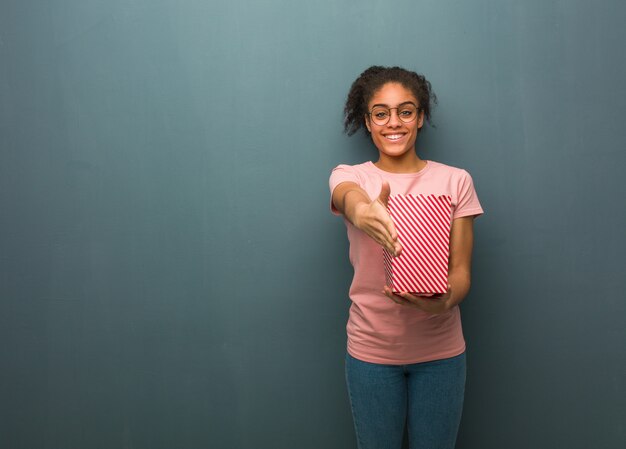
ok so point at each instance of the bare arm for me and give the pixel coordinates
(369, 216)
(460, 265)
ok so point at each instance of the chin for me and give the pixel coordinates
(396, 152)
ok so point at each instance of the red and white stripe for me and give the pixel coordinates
(423, 224)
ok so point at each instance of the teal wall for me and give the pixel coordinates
(170, 274)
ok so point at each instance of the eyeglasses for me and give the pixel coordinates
(407, 112)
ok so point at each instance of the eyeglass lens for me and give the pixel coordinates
(406, 113)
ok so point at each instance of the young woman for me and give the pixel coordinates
(405, 361)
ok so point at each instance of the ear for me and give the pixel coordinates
(367, 123)
(420, 119)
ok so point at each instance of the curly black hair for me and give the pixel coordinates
(373, 79)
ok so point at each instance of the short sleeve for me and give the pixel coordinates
(341, 173)
(467, 203)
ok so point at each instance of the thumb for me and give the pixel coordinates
(385, 191)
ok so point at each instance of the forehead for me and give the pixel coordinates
(392, 94)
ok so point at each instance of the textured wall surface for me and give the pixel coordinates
(170, 274)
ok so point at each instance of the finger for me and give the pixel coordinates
(410, 300)
(383, 216)
(385, 191)
(415, 299)
(390, 227)
(392, 238)
(445, 295)
(387, 291)
(378, 237)
(388, 231)
(406, 296)
(380, 234)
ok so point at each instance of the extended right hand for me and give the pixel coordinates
(373, 219)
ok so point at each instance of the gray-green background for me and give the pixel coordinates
(170, 274)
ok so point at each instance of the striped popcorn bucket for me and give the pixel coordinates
(423, 224)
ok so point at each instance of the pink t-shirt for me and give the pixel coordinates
(379, 330)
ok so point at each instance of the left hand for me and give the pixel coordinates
(435, 304)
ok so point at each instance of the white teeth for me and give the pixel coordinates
(394, 136)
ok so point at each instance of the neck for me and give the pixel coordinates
(408, 162)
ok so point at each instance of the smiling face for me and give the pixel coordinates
(396, 138)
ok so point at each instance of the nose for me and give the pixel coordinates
(394, 118)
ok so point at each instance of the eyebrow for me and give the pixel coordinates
(401, 104)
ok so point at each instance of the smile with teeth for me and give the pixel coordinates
(394, 136)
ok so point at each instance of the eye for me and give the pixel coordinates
(380, 113)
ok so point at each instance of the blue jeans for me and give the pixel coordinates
(426, 397)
